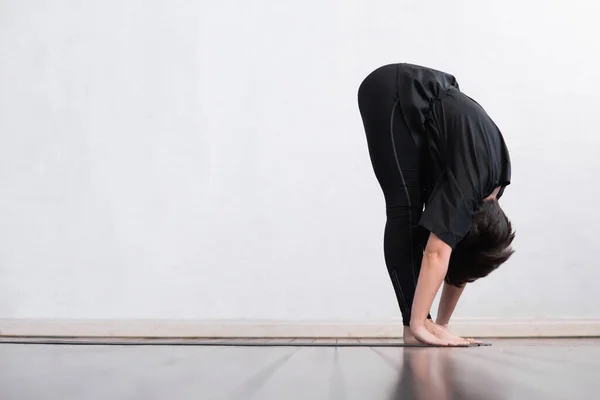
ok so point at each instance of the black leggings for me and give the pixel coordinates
(396, 161)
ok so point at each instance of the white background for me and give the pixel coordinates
(206, 159)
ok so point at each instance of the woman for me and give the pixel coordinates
(442, 165)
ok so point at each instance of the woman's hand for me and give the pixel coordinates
(444, 334)
(424, 336)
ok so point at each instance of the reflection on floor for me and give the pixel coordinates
(510, 369)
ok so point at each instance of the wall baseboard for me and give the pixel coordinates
(375, 329)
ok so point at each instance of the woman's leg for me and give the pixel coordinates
(397, 163)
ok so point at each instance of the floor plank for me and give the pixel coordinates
(510, 369)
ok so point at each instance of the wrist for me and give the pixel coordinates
(417, 323)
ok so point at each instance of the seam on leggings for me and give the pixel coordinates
(410, 227)
(396, 283)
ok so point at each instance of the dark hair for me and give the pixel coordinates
(484, 248)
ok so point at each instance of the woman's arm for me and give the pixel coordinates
(448, 301)
(433, 270)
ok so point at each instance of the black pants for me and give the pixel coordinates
(404, 242)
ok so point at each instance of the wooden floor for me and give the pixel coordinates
(510, 369)
(245, 342)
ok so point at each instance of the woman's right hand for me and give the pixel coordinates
(444, 334)
(426, 336)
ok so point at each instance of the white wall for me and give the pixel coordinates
(206, 160)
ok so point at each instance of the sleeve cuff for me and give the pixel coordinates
(447, 237)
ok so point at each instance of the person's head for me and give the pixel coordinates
(484, 248)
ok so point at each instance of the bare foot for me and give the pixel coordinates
(445, 334)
